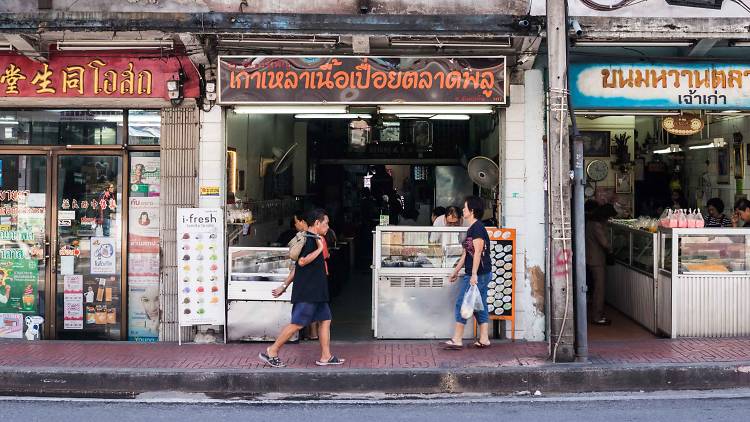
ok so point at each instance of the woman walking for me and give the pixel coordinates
(477, 272)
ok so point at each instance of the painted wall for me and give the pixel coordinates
(254, 136)
(518, 7)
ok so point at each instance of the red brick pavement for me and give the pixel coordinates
(362, 355)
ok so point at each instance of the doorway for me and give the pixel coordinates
(61, 241)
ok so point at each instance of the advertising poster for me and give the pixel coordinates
(11, 325)
(144, 308)
(18, 285)
(73, 302)
(200, 266)
(145, 174)
(103, 257)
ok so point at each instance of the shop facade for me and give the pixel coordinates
(255, 91)
(670, 135)
(81, 175)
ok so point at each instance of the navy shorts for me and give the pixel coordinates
(303, 313)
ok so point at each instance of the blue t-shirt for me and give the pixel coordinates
(477, 231)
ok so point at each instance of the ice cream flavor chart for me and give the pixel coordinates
(200, 266)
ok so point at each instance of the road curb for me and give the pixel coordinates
(572, 378)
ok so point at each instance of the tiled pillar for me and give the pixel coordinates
(523, 201)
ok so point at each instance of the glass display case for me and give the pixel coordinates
(421, 249)
(705, 251)
(412, 295)
(634, 248)
(253, 314)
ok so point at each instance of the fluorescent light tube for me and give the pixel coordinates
(437, 109)
(436, 42)
(6, 47)
(8, 122)
(633, 44)
(333, 116)
(114, 45)
(450, 117)
(668, 150)
(291, 109)
(740, 44)
(289, 41)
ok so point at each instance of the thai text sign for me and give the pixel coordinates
(100, 77)
(660, 86)
(361, 80)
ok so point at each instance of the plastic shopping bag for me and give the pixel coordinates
(472, 302)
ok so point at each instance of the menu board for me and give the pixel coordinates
(501, 289)
(200, 254)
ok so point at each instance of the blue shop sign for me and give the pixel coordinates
(660, 86)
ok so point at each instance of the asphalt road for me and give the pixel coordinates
(662, 407)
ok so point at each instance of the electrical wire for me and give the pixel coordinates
(742, 4)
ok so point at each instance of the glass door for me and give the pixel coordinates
(23, 240)
(88, 245)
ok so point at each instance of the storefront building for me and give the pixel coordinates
(661, 136)
(80, 140)
(293, 146)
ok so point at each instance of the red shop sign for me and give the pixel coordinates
(94, 77)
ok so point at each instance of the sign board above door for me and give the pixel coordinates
(703, 86)
(361, 80)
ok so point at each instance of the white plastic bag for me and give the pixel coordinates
(472, 302)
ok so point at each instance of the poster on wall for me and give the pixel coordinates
(200, 234)
(18, 285)
(73, 302)
(11, 325)
(145, 175)
(144, 308)
(103, 257)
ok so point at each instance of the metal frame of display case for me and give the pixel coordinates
(702, 304)
(630, 289)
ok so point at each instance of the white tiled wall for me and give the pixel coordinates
(212, 156)
(523, 196)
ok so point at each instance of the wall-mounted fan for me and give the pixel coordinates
(484, 172)
(281, 158)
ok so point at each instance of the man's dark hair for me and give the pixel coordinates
(299, 215)
(742, 204)
(318, 214)
(438, 211)
(454, 211)
(716, 203)
(476, 206)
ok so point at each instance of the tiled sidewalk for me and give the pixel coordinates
(363, 355)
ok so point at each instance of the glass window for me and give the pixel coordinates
(144, 127)
(61, 127)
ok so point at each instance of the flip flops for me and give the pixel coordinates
(480, 345)
(450, 345)
(332, 361)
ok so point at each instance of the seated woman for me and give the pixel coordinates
(716, 217)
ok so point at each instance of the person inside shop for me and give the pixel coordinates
(716, 217)
(598, 248)
(451, 218)
(296, 225)
(310, 295)
(678, 201)
(475, 260)
(436, 213)
(741, 217)
(106, 208)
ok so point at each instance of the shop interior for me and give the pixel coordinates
(644, 163)
(361, 165)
